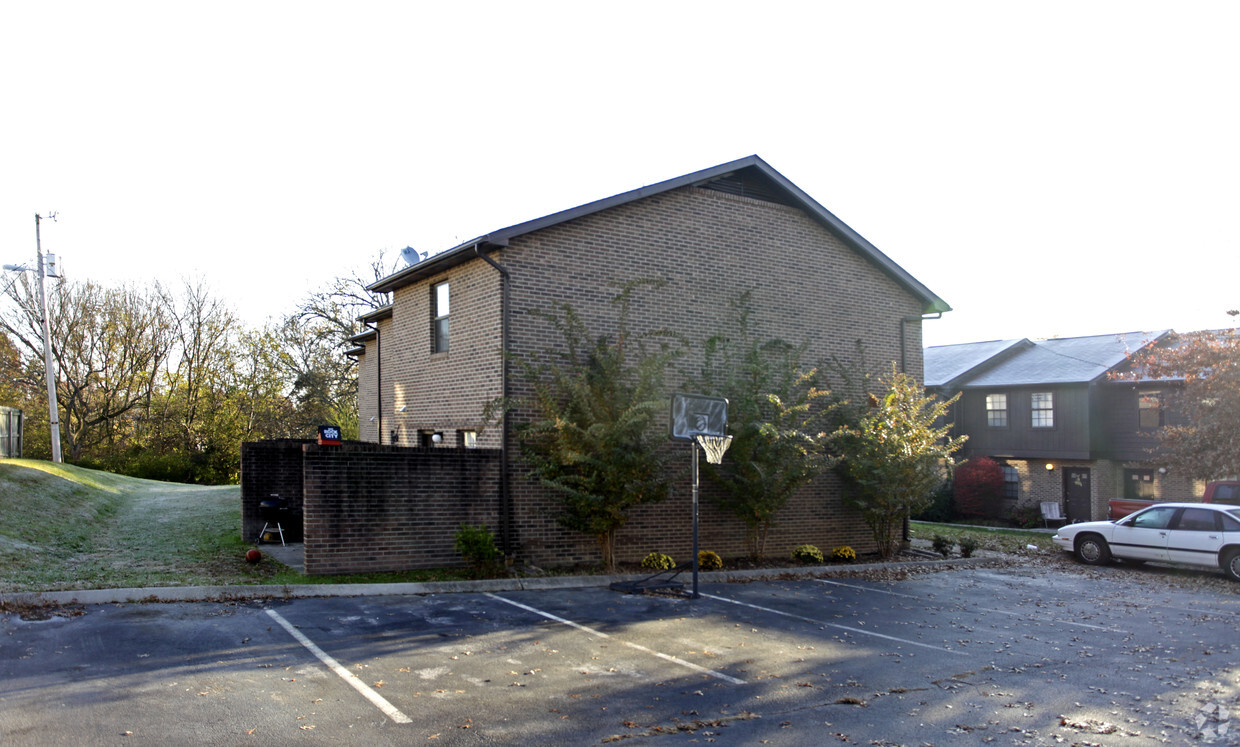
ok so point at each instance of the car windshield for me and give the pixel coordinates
(1154, 518)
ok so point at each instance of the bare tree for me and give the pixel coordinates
(108, 346)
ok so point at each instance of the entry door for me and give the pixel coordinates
(1076, 493)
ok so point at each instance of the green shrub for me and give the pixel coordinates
(477, 546)
(844, 554)
(968, 545)
(1027, 517)
(807, 554)
(942, 508)
(709, 561)
(657, 561)
(942, 545)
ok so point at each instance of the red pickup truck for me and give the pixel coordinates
(1219, 491)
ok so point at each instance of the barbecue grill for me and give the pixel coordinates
(274, 513)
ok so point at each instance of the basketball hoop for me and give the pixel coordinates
(714, 446)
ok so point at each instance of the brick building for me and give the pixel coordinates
(431, 360)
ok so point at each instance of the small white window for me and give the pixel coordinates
(1043, 409)
(996, 410)
(439, 317)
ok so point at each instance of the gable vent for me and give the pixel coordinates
(750, 183)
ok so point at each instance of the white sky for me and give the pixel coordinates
(1048, 168)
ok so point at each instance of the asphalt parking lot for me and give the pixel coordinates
(969, 656)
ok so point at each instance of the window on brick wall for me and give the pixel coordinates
(996, 410)
(467, 439)
(439, 318)
(1042, 409)
(1139, 484)
(1011, 482)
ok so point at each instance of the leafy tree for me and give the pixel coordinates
(895, 456)
(12, 392)
(596, 437)
(108, 345)
(1204, 444)
(780, 420)
(977, 486)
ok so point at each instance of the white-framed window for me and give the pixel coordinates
(439, 317)
(996, 410)
(468, 439)
(1042, 409)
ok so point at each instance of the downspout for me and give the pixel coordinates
(505, 495)
(378, 382)
(904, 343)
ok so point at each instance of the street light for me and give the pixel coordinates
(41, 270)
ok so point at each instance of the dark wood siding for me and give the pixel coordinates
(1068, 439)
(1117, 433)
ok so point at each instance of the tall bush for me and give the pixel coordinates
(978, 487)
(895, 456)
(781, 419)
(597, 433)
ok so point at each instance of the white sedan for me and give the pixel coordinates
(1200, 534)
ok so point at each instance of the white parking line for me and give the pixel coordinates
(367, 693)
(600, 634)
(850, 629)
(982, 609)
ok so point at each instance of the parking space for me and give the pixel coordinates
(951, 657)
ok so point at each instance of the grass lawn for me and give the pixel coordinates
(1015, 541)
(64, 527)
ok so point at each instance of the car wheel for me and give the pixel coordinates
(1093, 550)
(1231, 564)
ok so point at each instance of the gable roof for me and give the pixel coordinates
(1066, 360)
(945, 364)
(750, 176)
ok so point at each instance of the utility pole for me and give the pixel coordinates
(53, 410)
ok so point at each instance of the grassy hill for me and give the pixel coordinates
(65, 527)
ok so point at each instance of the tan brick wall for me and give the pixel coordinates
(367, 395)
(709, 247)
(1105, 483)
(443, 391)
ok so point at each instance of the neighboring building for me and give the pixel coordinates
(10, 432)
(1064, 417)
(432, 360)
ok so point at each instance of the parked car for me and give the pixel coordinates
(1200, 534)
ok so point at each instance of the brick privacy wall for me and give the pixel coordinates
(269, 467)
(373, 508)
(709, 247)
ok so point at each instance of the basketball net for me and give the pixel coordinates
(714, 446)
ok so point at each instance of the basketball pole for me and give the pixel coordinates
(695, 520)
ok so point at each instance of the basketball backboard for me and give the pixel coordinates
(694, 414)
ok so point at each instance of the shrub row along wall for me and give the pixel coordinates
(370, 508)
